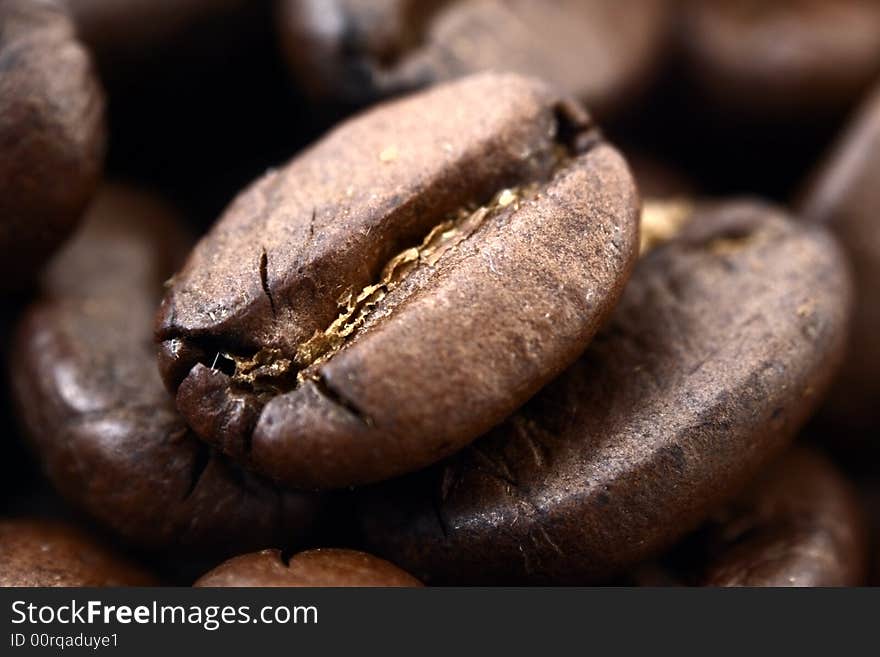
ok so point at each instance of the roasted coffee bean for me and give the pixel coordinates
(799, 524)
(105, 429)
(788, 56)
(355, 50)
(50, 553)
(123, 34)
(327, 567)
(51, 135)
(140, 25)
(403, 286)
(334, 47)
(845, 196)
(722, 345)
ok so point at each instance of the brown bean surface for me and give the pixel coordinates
(125, 32)
(403, 285)
(599, 52)
(722, 345)
(106, 431)
(782, 57)
(51, 135)
(324, 567)
(845, 197)
(800, 524)
(49, 553)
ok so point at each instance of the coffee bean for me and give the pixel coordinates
(125, 34)
(94, 407)
(799, 524)
(335, 46)
(784, 57)
(845, 196)
(722, 345)
(327, 567)
(50, 553)
(402, 286)
(599, 52)
(51, 135)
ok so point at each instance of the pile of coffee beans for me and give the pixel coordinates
(468, 292)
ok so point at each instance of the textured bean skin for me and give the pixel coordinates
(845, 197)
(51, 135)
(358, 50)
(721, 346)
(326, 567)
(783, 57)
(95, 410)
(48, 553)
(459, 343)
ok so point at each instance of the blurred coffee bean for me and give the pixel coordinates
(51, 135)
(782, 58)
(126, 33)
(403, 286)
(845, 197)
(800, 523)
(723, 344)
(50, 553)
(336, 46)
(353, 50)
(95, 410)
(325, 568)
